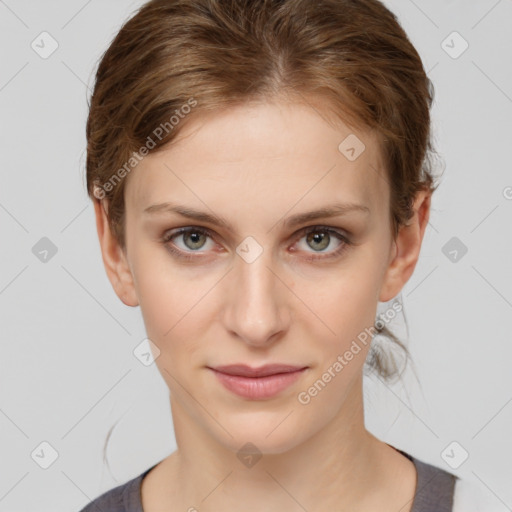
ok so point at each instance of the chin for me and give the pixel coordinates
(265, 436)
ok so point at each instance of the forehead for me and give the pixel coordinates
(265, 151)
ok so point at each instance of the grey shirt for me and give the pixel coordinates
(434, 492)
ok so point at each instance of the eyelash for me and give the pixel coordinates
(169, 235)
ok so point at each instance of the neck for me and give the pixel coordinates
(337, 468)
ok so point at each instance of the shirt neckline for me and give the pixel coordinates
(132, 495)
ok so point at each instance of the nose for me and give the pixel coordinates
(256, 309)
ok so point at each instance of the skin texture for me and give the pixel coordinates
(256, 165)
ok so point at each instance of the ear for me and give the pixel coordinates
(407, 248)
(114, 258)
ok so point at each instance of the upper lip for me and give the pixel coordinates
(244, 370)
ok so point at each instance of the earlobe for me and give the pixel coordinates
(114, 258)
(407, 248)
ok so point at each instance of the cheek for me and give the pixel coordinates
(172, 316)
(165, 292)
(176, 307)
(345, 300)
(348, 306)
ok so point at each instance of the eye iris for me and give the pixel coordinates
(319, 237)
(194, 236)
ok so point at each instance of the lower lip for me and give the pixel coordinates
(258, 388)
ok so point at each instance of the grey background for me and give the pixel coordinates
(67, 369)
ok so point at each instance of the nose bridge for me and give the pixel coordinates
(255, 312)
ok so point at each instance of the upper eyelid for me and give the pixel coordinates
(297, 234)
(209, 231)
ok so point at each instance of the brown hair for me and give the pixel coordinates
(176, 58)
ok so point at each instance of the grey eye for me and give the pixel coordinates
(318, 240)
(196, 238)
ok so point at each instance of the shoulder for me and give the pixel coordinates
(434, 489)
(470, 496)
(123, 498)
(440, 490)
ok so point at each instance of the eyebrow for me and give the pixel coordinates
(333, 210)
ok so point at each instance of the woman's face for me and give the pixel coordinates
(258, 289)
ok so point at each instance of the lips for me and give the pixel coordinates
(242, 370)
(261, 383)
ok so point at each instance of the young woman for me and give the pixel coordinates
(261, 176)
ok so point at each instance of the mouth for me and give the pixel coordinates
(257, 383)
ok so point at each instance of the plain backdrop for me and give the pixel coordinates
(67, 369)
